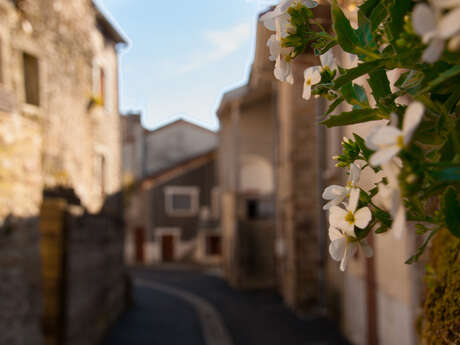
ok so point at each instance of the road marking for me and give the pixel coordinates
(214, 330)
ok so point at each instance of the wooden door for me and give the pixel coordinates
(139, 245)
(167, 248)
(214, 245)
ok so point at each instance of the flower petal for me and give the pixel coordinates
(306, 92)
(355, 171)
(454, 43)
(423, 19)
(391, 172)
(449, 24)
(412, 118)
(334, 234)
(384, 155)
(434, 50)
(386, 135)
(269, 20)
(333, 192)
(328, 60)
(337, 216)
(354, 198)
(315, 75)
(362, 217)
(337, 248)
(447, 3)
(309, 3)
(350, 250)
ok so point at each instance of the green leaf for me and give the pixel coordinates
(358, 71)
(413, 259)
(444, 76)
(451, 174)
(368, 7)
(451, 210)
(367, 153)
(355, 95)
(334, 105)
(346, 36)
(379, 83)
(352, 117)
(398, 11)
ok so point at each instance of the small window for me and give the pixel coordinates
(31, 79)
(182, 201)
(1, 61)
(99, 83)
(99, 172)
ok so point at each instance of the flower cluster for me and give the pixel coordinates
(416, 154)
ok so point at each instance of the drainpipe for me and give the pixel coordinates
(322, 226)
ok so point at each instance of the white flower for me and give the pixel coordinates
(312, 76)
(434, 27)
(344, 246)
(389, 197)
(278, 21)
(337, 194)
(389, 140)
(328, 61)
(269, 18)
(346, 220)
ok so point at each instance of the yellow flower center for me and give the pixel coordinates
(350, 184)
(350, 218)
(308, 82)
(400, 141)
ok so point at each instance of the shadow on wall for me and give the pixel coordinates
(51, 266)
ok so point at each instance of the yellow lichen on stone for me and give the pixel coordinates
(441, 321)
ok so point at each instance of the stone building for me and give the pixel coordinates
(172, 208)
(59, 129)
(246, 174)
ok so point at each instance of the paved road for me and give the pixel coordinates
(251, 318)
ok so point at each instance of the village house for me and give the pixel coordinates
(373, 304)
(60, 152)
(246, 175)
(172, 208)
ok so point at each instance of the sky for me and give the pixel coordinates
(183, 55)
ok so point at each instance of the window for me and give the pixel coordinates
(1, 62)
(182, 201)
(99, 172)
(99, 83)
(31, 79)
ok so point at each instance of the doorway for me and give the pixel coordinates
(167, 248)
(139, 239)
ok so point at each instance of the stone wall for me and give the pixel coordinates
(94, 276)
(83, 273)
(20, 292)
(297, 197)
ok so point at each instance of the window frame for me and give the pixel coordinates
(24, 55)
(192, 191)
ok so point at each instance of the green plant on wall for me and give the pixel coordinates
(414, 145)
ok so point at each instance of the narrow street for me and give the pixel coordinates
(189, 306)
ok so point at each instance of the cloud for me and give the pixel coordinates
(222, 43)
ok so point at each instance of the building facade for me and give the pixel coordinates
(59, 129)
(246, 175)
(172, 209)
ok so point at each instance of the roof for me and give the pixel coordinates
(176, 122)
(107, 28)
(244, 95)
(177, 169)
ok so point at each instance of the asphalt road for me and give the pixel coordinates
(251, 318)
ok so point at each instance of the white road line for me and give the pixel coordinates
(214, 330)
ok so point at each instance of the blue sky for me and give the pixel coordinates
(183, 55)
